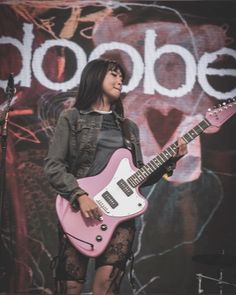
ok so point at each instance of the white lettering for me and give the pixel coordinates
(38, 61)
(25, 49)
(151, 55)
(204, 70)
(145, 70)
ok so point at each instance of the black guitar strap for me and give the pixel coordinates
(126, 134)
(129, 143)
(75, 118)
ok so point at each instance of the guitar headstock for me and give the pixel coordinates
(218, 115)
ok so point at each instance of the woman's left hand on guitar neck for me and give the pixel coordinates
(182, 148)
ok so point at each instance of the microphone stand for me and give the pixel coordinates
(3, 136)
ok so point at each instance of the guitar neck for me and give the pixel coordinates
(143, 173)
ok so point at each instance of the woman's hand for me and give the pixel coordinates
(89, 208)
(182, 148)
(181, 151)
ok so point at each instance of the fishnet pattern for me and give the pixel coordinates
(120, 246)
(72, 265)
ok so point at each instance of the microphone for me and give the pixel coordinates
(10, 85)
(7, 105)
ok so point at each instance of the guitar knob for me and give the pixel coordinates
(98, 238)
(103, 227)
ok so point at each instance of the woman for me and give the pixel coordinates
(85, 138)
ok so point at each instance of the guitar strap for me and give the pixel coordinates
(126, 134)
(75, 118)
(130, 144)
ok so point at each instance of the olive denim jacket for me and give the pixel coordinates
(73, 149)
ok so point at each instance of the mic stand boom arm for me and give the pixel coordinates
(4, 132)
(5, 260)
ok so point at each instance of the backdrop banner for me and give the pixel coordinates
(180, 58)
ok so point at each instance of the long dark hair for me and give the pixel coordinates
(90, 87)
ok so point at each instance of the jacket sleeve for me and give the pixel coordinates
(57, 168)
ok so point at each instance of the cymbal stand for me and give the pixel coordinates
(199, 278)
(220, 282)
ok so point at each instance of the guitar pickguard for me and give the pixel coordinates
(118, 198)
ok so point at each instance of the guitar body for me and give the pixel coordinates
(117, 200)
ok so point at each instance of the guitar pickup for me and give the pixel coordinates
(109, 199)
(124, 187)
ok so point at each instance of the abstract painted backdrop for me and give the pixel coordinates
(180, 58)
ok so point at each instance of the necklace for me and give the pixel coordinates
(103, 112)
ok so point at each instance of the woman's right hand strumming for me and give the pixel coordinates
(89, 208)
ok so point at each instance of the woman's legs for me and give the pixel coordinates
(110, 266)
(71, 268)
(107, 280)
(73, 288)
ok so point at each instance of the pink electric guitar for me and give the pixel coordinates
(116, 190)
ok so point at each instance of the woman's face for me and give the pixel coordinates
(112, 85)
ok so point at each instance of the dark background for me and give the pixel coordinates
(194, 218)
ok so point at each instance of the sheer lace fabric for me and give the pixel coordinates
(72, 265)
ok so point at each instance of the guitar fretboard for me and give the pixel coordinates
(142, 174)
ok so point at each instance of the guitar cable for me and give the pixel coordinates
(91, 245)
